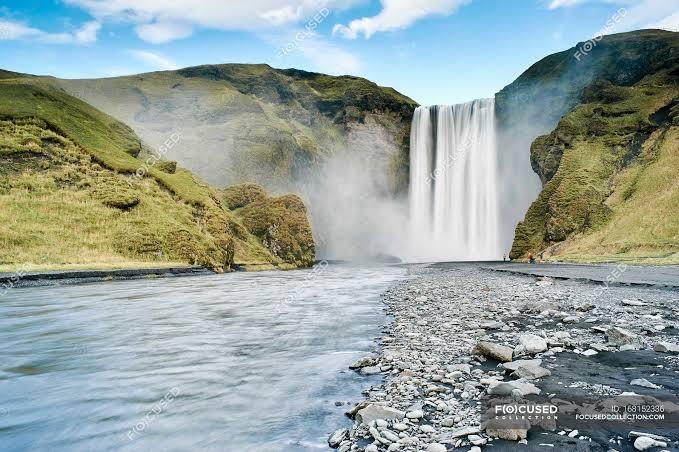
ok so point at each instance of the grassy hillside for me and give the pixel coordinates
(69, 196)
(609, 173)
(243, 123)
(552, 86)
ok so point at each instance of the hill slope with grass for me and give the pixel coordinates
(78, 189)
(609, 167)
(253, 123)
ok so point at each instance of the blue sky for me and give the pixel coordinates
(435, 51)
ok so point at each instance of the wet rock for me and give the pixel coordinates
(644, 443)
(532, 343)
(370, 370)
(415, 414)
(448, 422)
(633, 303)
(436, 447)
(619, 337)
(518, 387)
(644, 383)
(459, 433)
(363, 362)
(666, 347)
(336, 438)
(531, 373)
(373, 412)
(514, 365)
(590, 352)
(510, 434)
(391, 436)
(477, 440)
(494, 351)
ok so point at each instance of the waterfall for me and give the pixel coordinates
(454, 208)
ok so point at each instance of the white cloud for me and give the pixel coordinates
(670, 23)
(15, 30)
(161, 32)
(397, 14)
(564, 3)
(638, 14)
(329, 58)
(163, 21)
(154, 60)
(323, 56)
(87, 34)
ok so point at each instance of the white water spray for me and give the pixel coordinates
(454, 208)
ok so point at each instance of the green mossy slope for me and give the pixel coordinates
(610, 192)
(69, 196)
(245, 122)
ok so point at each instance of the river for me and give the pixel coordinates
(234, 362)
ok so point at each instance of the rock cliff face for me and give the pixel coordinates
(607, 168)
(253, 123)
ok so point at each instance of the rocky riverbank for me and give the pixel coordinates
(463, 336)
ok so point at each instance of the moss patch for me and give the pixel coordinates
(607, 172)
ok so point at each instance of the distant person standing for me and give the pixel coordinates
(531, 259)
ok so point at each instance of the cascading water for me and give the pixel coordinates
(454, 208)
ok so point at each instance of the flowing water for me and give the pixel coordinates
(454, 206)
(236, 362)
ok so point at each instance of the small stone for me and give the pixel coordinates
(644, 442)
(543, 282)
(477, 440)
(466, 368)
(633, 303)
(436, 447)
(666, 347)
(401, 427)
(514, 365)
(531, 373)
(590, 352)
(510, 434)
(391, 436)
(533, 343)
(475, 449)
(644, 383)
(371, 448)
(363, 362)
(573, 434)
(370, 370)
(507, 388)
(373, 412)
(570, 319)
(495, 351)
(619, 337)
(415, 414)
(448, 422)
(336, 438)
(427, 428)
